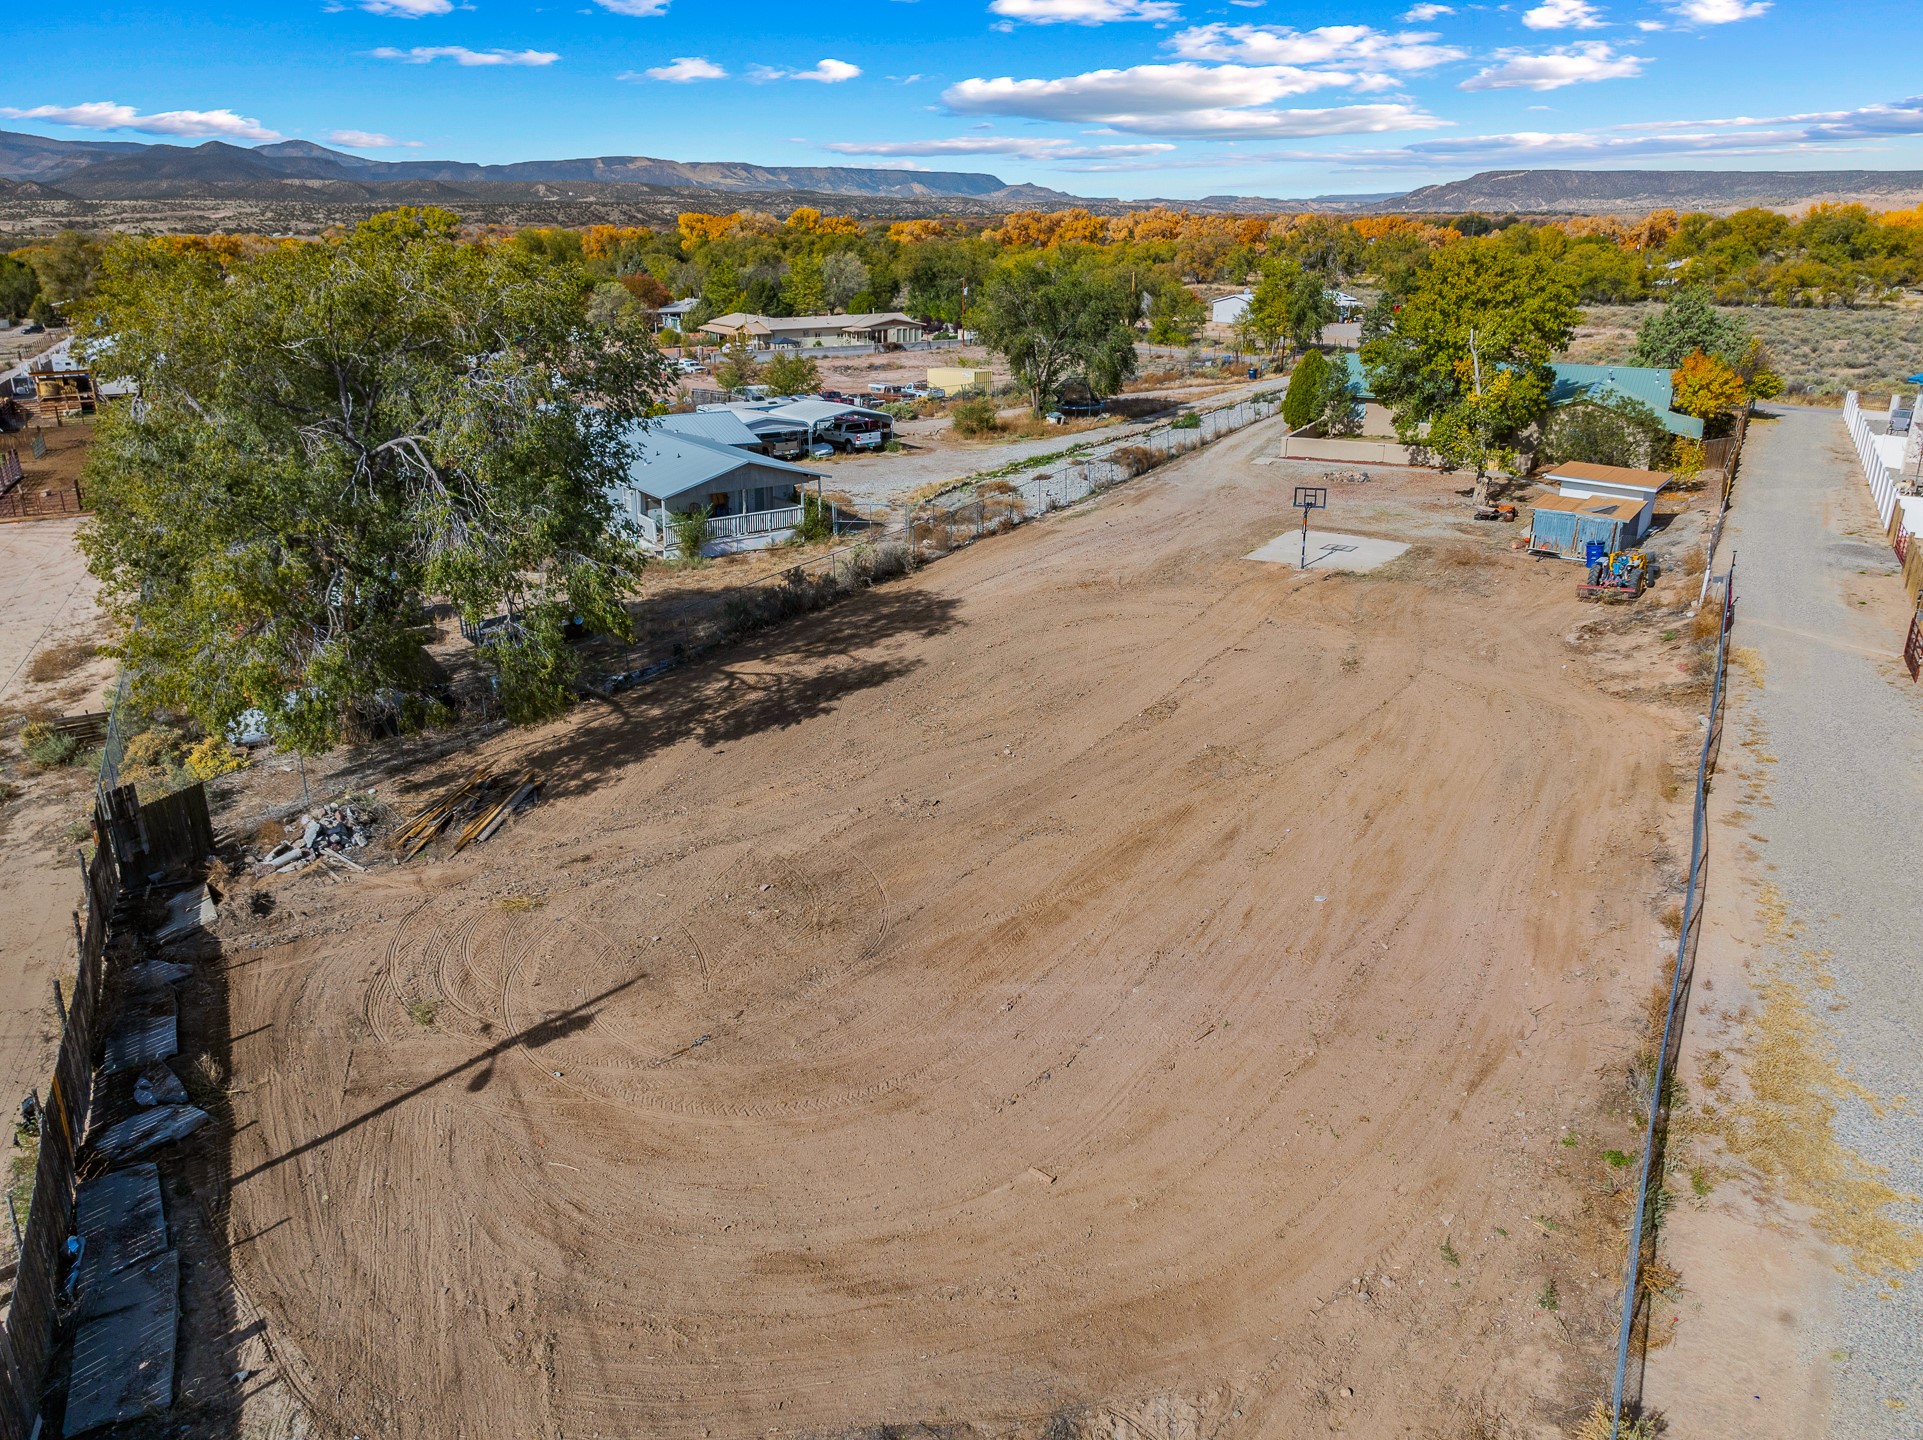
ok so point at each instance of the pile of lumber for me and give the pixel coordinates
(469, 813)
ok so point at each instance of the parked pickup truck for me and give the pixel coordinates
(858, 432)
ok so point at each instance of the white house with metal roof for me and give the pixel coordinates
(753, 500)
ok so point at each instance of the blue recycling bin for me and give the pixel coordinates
(1593, 552)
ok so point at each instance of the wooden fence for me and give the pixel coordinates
(27, 1340)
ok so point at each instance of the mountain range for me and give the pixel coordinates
(116, 170)
(87, 173)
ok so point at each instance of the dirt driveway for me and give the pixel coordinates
(46, 601)
(1097, 985)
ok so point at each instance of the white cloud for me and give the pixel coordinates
(682, 70)
(1813, 136)
(461, 55)
(190, 124)
(1184, 100)
(1084, 12)
(1025, 147)
(828, 72)
(408, 9)
(1579, 64)
(1720, 12)
(1416, 14)
(1563, 15)
(1646, 26)
(366, 140)
(1357, 45)
(1104, 95)
(639, 8)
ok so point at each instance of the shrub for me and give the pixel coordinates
(815, 524)
(1134, 459)
(1302, 404)
(974, 416)
(57, 662)
(161, 747)
(1190, 421)
(691, 532)
(214, 757)
(1614, 431)
(45, 748)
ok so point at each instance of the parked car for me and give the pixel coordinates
(820, 450)
(688, 367)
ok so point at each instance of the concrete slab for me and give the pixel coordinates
(1330, 551)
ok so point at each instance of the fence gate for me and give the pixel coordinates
(1913, 646)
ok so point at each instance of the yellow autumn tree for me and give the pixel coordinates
(1706, 387)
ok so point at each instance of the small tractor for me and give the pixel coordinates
(1622, 576)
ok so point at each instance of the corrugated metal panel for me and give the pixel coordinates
(1567, 533)
(719, 426)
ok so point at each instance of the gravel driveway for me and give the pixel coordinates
(1844, 833)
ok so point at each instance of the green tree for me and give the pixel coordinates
(1057, 318)
(66, 265)
(737, 366)
(1174, 314)
(330, 435)
(805, 290)
(791, 373)
(1688, 323)
(843, 276)
(1309, 307)
(1464, 364)
(1341, 411)
(1613, 430)
(608, 302)
(19, 286)
(1302, 402)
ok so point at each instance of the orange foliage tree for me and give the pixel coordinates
(1706, 387)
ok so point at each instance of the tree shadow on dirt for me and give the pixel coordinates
(773, 680)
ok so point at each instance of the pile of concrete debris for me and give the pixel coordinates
(322, 836)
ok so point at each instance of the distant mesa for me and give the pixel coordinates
(35, 168)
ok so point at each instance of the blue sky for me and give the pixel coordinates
(1136, 98)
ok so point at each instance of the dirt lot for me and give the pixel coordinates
(1097, 985)
(48, 623)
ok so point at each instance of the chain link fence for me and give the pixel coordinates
(989, 506)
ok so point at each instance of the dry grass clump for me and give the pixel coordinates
(1785, 1127)
(1750, 662)
(759, 606)
(57, 662)
(1694, 561)
(1596, 1425)
(1707, 624)
(1134, 459)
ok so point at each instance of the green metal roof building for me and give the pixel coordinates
(1587, 382)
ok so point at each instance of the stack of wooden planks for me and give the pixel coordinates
(471, 812)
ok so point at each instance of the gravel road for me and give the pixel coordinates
(1817, 601)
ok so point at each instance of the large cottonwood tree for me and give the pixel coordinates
(330, 435)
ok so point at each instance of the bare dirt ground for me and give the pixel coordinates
(1096, 985)
(46, 610)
